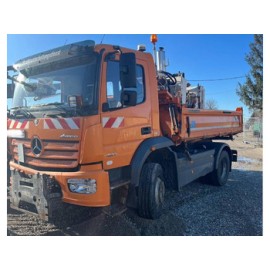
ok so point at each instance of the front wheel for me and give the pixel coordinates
(219, 176)
(151, 191)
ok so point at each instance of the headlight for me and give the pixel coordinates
(14, 133)
(84, 186)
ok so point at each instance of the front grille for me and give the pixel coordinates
(55, 154)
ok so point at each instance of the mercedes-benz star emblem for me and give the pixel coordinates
(36, 146)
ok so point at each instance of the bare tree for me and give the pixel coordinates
(211, 104)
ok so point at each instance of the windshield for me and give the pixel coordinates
(43, 92)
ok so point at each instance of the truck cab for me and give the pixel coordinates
(73, 120)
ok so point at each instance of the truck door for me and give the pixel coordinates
(124, 127)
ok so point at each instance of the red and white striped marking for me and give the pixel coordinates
(17, 124)
(112, 122)
(62, 123)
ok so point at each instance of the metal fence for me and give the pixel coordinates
(253, 131)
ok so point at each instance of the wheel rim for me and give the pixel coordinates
(159, 192)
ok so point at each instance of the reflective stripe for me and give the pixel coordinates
(71, 123)
(214, 127)
(63, 123)
(19, 124)
(48, 124)
(12, 123)
(104, 121)
(56, 123)
(16, 124)
(118, 122)
(112, 122)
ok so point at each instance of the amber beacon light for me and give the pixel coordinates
(153, 38)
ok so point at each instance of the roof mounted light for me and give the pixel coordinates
(141, 48)
(153, 38)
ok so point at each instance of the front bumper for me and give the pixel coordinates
(41, 188)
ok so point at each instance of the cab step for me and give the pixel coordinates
(119, 190)
(119, 183)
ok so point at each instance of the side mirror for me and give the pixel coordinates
(128, 70)
(129, 98)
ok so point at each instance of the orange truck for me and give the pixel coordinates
(106, 126)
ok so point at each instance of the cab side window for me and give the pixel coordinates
(114, 85)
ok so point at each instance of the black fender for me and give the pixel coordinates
(142, 153)
(138, 160)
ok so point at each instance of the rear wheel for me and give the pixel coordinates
(151, 191)
(219, 176)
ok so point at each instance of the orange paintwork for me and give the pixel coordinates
(92, 143)
(109, 148)
(210, 123)
(100, 198)
(119, 144)
(196, 124)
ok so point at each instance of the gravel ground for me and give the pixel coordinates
(199, 209)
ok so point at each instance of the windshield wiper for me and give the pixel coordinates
(20, 112)
(59, 106)
(23, 83)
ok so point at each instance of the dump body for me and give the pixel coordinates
(183, 124)
(210, 123)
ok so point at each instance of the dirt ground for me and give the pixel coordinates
(198, 209)
(250, 156)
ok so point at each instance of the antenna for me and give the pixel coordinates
(102, 38)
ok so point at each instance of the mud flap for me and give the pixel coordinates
(36, 194)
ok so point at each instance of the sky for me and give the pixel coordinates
(201, 57)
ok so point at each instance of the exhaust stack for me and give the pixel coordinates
(161, 60)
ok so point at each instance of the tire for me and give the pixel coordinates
(151, 191)
(219, 176)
